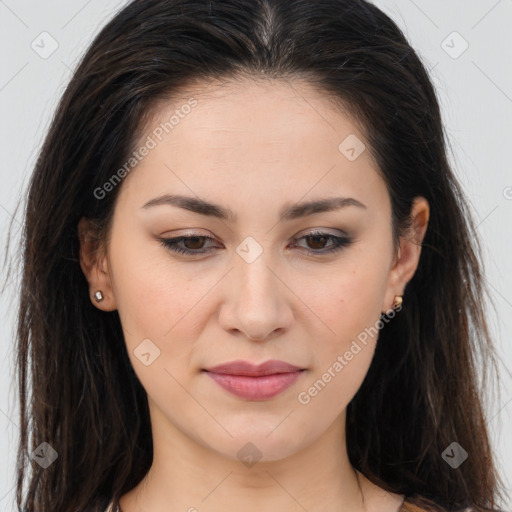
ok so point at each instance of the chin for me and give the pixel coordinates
(253, 444)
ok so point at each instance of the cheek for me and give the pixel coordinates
(139, 271)
(350, 313)
(348, 298)
(349, 308)
(155, 298)
(329, 391)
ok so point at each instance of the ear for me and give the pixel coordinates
(94, 264)
(405, 264)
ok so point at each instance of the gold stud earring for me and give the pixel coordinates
(98, 296)
(398, 302)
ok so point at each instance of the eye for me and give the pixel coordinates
(318, 239)
(193, 245)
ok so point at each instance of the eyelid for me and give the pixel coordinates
(339, 243)
(322, 231)
(308, 232)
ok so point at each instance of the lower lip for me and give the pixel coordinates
(255, 388)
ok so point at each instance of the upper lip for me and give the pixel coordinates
(249, 369)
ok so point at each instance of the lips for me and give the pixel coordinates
(251, 370)
(255, 382)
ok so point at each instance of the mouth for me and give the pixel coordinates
(255, 382)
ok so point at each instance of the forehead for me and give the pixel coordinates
(266, 108)
(254, 120)
(262, 138)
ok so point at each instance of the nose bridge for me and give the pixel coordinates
(252, 261)
(258, 303)
(258, 287)
(256, 279)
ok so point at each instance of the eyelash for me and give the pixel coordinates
(338, 243)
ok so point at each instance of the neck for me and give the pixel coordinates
(187, 475)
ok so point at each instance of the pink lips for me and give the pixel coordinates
(255, 382)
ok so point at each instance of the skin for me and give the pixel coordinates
(254, 147)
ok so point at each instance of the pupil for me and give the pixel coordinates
(193, 239)
(322, 238)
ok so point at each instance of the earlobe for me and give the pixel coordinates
(408, 254)
(94, 265)
(98, 296)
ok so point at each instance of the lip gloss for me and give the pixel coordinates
(260, 387)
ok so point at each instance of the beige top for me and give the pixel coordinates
(405, 507)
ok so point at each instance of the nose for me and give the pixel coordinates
(257, 303)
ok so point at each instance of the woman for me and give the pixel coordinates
(250, 278)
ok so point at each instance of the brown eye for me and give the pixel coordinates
(191, 244)
(317, 242)
(194, 242)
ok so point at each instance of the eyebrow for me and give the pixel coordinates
(289, 211)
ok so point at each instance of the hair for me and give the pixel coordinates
(77, 389)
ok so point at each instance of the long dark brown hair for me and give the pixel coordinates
(426, 385)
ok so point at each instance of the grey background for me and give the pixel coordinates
(475, 90)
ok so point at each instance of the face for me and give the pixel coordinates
(257, 278)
